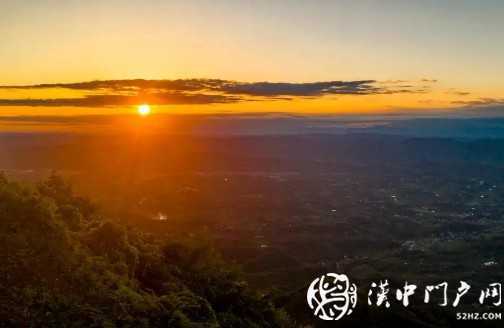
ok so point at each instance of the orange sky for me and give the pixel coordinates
(447, 55)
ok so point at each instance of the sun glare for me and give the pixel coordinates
(144, 110)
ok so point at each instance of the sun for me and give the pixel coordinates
(144, 110)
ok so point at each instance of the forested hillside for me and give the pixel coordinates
(63, 264)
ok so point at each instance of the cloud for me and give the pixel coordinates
(268, 89)
(481, 102)
(118, 100)
(200, 91)
(129, 85)
(458, 92)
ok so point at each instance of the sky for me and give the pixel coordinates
(311, 57)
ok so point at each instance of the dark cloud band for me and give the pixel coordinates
(199, 91)
(483, 102)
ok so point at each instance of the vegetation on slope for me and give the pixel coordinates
(63, 264)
